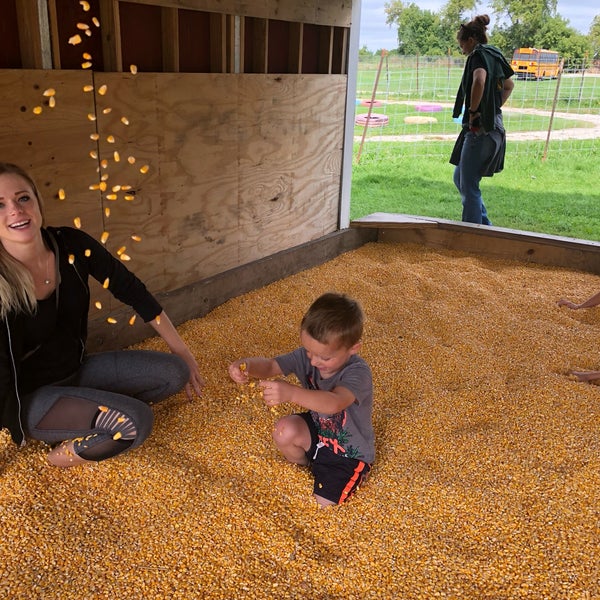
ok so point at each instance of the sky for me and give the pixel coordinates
(376, 35)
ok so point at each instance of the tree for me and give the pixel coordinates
(419, 31)
(595, 37)
(522, 21)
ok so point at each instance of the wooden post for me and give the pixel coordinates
(560, 69)
(362, 141)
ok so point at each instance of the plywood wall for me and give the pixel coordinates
(224, 148)
(240, 166)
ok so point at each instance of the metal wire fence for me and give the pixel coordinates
(409, 99)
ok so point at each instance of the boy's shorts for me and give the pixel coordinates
(336, 477)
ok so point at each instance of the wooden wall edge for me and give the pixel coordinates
(495, 242)
(198, 299)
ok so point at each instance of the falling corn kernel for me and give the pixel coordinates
(104, 237)
(94, 136)
(243, 367)
(111, 320)
(106, 111)
(86, 65)
(104, 163)
(129, 197)
(125, 120)
(116, 156)
(111, 196)
(117, 435)
(86, 56)
(37, 110)
(95, 22)
(144, 169)
(77, 222)
(132, 320)
(121, 420)
(157, 320)
(102, 185)
(133, 69)
(88, 32)
(125, 257)
(61, 194)
(125, 187)
(136, 238)
(85, 5)
(104, 177)
(102, 89)
(116, 188)
(94, 154)
(98, 304)
(71, 259)
(121, 250)
(75, 39)
(88, 252)
(49, 92)
(91, 116)
(131, 159)
(110, 139)
(83, 27)
(88, 88)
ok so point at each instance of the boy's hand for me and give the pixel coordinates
(277, 392)
(238, 371)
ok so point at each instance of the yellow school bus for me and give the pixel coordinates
(531, 63)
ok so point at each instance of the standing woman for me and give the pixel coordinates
(92, 407)
(481, 145)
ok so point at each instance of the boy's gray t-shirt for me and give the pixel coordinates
(348, 433)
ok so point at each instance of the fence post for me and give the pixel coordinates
(560, 70)
(362, 141)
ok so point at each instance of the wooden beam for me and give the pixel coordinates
(170, 39)
(498, 242)
(218, 43)
(111, 35)
(34, 34)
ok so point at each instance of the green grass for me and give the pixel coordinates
(558, 196)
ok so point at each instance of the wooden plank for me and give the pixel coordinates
(498, 242)
(291, 170)
(170, 39)
(34, 34)
(393, 220)
(319, 12)
(111, 35)
(295, 48)
(218, 43)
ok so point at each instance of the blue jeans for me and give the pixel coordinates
(476, 152)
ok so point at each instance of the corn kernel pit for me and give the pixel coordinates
(485, 485)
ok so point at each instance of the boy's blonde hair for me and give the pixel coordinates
(334, 318)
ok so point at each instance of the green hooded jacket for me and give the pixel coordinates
(498, 69)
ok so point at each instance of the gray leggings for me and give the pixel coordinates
(105, 404)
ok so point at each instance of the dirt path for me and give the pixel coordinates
(576, 133)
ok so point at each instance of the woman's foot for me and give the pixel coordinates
(64, 455)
